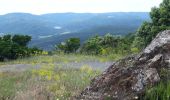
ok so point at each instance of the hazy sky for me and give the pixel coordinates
(79, 6)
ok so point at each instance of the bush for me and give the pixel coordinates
(13, 47)
(69, 46)
(108, 44)
(159, 22)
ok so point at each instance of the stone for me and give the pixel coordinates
(128, 78)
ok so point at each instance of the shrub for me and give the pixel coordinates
(69, 46)
(13, 47)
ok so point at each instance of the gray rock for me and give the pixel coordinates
(128, 78)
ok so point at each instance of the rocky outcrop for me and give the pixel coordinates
(127, 78)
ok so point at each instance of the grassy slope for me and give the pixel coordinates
(55, 81)
(51, 80)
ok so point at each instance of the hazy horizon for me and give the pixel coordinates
(69, 13)
(39, 7)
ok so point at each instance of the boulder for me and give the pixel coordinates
(128, 78)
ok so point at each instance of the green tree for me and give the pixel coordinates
(92, 45)
(72, 44)
(12, 47)
(69, 46)
(108, 44)
(109, 40)
(144, 32)
(21, 40)
(61, 46)
(7, 37)
(160, 20)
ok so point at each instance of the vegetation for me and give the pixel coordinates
(107, 45)
(79, 24)
(12, 83)
(133, 43)
(52, 78)
(159, 22)
(59, 77)
(159, 92)
(100, 45)
(13, 47)
(69, 46)
(58, 58)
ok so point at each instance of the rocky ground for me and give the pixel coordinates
(128, 78)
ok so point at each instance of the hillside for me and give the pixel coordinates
(129, 78)
(64, 76)
(53, 28)
(56, 77)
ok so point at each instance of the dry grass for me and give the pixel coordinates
(52, 81)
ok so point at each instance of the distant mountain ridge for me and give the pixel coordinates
(49, 29)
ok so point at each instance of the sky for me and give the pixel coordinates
(77, 6)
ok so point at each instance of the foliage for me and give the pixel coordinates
(108, 44)
(35, 51)
(69, 46)
(92, 46)
(80, 25)
(159, 92)
(101, 45)
(160, 20)
(13, 47)
(21, 39)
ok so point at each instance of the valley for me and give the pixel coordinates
(79, 50)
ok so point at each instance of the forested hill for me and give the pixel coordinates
(56, 27)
